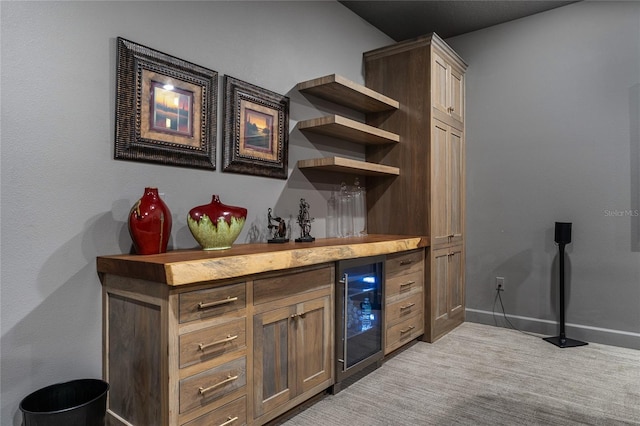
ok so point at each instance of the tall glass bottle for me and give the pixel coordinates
(359, 209)
(345, 212)
(332, 216)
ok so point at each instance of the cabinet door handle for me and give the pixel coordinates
(408, 329)
(228, 422)
(229, 338)
(407, 306)
(406, 262)
(229, 299)
(408, 283)
(229, 378)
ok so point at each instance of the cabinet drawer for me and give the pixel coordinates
(404, 263)
(269, 289)
(211, 342)
(210, 385)
(212, 302)
(404, 285)
(405, 331)
(231, 414)
(403, 308)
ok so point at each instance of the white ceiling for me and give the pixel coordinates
(402, 20)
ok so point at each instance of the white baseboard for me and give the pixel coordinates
(626, 339)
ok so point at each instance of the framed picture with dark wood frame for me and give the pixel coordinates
(256, 130)
(165, 108)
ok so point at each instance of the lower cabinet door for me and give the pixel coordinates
(272, 345)
(314, 343)
(447, 290)
(292, 353)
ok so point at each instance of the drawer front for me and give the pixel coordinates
(211, 342)
(231, 414)
(212, 302)
(404, 308)
(404, 263)
(269, 289)
(405, 331)
(208, 386)
(404, 285)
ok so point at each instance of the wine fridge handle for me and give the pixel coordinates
(345, 304)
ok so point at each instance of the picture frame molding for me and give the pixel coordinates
(135, 138)
(238, 154)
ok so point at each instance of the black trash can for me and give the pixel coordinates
(80, 402)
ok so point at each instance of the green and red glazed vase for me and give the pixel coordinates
(150, 223)
(215, 226)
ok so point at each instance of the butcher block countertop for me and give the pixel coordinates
(180, 267)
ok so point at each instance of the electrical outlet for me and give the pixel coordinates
(500, 284)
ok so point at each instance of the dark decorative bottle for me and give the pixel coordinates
(150, 223)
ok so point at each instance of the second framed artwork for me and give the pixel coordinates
(256, 130)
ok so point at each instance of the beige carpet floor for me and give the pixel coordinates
(484, 375)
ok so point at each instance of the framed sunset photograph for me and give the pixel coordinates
(256, 130)
(165, 108)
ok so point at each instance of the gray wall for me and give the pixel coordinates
(65, 200)
(553, 135)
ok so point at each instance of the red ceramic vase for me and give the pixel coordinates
(215, 226)
(150, 223)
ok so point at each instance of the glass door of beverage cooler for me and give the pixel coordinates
(359, 303)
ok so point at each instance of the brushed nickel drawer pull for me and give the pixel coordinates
(231, 420)
(408, 329)
(406, 262)
(229, 338)
(229, 299)
(407, 306)
(407, 284)
(229, 378)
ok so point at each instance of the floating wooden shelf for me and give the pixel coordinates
(345, 92)
(346, 165)
(347, 129)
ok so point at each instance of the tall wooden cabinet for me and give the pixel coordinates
(428, 198)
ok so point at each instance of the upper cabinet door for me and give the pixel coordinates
(456, 92)
(439, 84)
(447, 89)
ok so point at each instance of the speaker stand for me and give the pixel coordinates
(562, 341)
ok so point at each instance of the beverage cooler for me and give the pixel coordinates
(359, 315)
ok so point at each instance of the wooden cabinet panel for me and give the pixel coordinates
(313, 343)
(403, 332)
(133, 364)
(404, 285)
(404, 263)
(439, 81)
(428, 79)
(204, 388)
(211, 342)
(270, 289)
(457, 94)
(404, 298)
(201, 304)
(404, 308)
(447, 290)
(272, 347)
(447, 184)
(231, 414)
(292, 353)
(447, 88)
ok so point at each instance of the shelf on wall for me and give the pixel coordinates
(347, 129)
(347, 165)
(345, 92)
